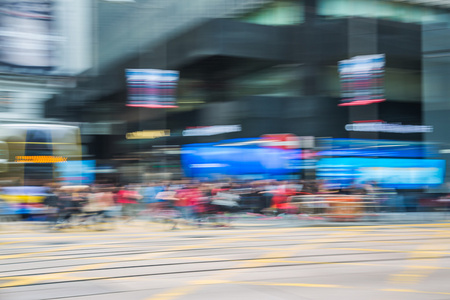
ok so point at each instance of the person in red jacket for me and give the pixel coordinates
(281, 197)
(187, 201)
(128, 198)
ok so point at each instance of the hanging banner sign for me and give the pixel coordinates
(362, 80)
(151, 88)
(28, 35)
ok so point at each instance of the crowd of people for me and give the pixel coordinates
(186, 199)
(183, 199)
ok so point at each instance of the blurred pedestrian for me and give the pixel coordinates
(187, 199)
(128, 197)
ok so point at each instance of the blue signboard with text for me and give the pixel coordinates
(77, 172)
(387, 172)
(239, 157)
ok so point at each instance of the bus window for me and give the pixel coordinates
(38, 144)
(31, 150)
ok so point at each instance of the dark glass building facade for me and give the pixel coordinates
(273, 68)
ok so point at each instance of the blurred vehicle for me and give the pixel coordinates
(29, 152)
(25, 202)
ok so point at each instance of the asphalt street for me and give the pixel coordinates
(402, 261)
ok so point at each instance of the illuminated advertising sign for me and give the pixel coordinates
(77, 172)
(147, 134)
(27, 35)
(211, 130)
(387, 127)
(151, 88)
(376, 148)
(41, 159)
(387, 172)
(239, 157)
(282, 141)
(362, 80)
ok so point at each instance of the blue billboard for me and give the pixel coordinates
(387, 172)
(240, 157)
(362, 79)
(77, 172)
(376, 148)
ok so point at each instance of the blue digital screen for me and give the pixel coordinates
(77, 172)
(362, 79)
(376, 148)
(393, 173)
(152, 88)
(238, 157)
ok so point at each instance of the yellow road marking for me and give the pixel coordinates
(313, 285)
(372, 250)
(24, 280)
(210, 281)
(218, 240)
(428, 267)
(265, 259)
(55, 236)
(428, 252)
(177, 292)
(413, 226)
(325, 263)
(268, 231)
(12, 242)
(21, 255)
(414, 291)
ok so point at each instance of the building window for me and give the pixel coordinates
(389, 10)
(191, 93)
(278, 81)
(280, 12)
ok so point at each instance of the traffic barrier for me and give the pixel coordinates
(346, 208)
(336, 207)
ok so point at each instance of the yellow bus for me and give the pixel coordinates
(29, 152)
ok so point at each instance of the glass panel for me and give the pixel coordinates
(280, 81)
(191, 92)
(401, 12)
(276, 13)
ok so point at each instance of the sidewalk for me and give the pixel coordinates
(312, 220)
(247, 221)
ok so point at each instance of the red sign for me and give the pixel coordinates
(282, 141)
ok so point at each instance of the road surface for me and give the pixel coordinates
(359, 262)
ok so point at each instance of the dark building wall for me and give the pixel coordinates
(225, 37)
(436, 73)
(218, 50)
(221, 50)
(260, 115)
